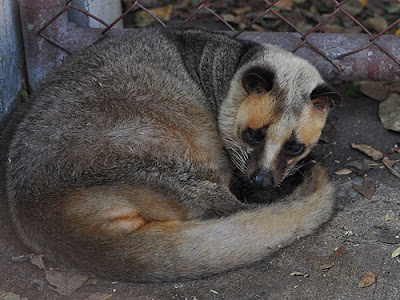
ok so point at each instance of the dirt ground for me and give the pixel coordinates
(367, 229)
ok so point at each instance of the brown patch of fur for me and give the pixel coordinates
(202, 146)
(124, 223)
(257, 111)
(119, 210)
(311, 123)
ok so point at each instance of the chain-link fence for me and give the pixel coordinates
(365, 55)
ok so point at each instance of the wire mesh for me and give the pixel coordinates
(203, 6)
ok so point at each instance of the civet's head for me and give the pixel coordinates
(273, 115)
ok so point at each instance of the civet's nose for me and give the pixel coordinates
(262, 178)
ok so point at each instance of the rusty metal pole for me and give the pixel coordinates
(41, 56)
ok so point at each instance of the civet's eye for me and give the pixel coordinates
(293, 149)
(252, 137)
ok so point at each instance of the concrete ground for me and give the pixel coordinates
(367, 229)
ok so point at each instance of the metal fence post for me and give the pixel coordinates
(41, 56)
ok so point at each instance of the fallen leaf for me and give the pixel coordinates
(363, 2)
(284, 4)
(374, 90)
(343, 172)
(362, 165)
(242, 10)
(326, 267)
(214, 292)
(388, 164)
(99, 296)
(383, 226)
(387, 217)
(368, 150)
(143, 19)
(388, 237)
(393, 150)
(339, 252)
(367, 280)
(376, 24)
(367, 189)
(232, 19)
(389, 112)
(396, 253)
(65, 282)
(353, 7)
(37, 260)
(394, 86)
(256, 27)
(10, 296)
(394, 9)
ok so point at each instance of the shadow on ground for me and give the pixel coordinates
(359, 225)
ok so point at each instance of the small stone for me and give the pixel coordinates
(374, 90)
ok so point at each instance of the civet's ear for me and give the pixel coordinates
(258, 80)
(325, 97)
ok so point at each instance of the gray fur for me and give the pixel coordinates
(104, 120)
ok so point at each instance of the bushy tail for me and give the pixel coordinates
(178, 249)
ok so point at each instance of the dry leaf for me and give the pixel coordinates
(242, 10)
(367, 189)
(388, 164)
(368, 150)
(376, 24)
(232, 19)
(363, 2)
(143, 19)
(99, 296)
(37, 260)
(326, 267)
(389, 112)
(284, 4)
(343, 172)
(339, 252)
(374, 90)
(388, 237)
(257, 28)
(64, 282)
(367, 280)
(393, 150)
(383, 226)
(396, 253)
(362, 165)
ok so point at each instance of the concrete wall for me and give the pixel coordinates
(11, 56)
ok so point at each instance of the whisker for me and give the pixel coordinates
(238, 154)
